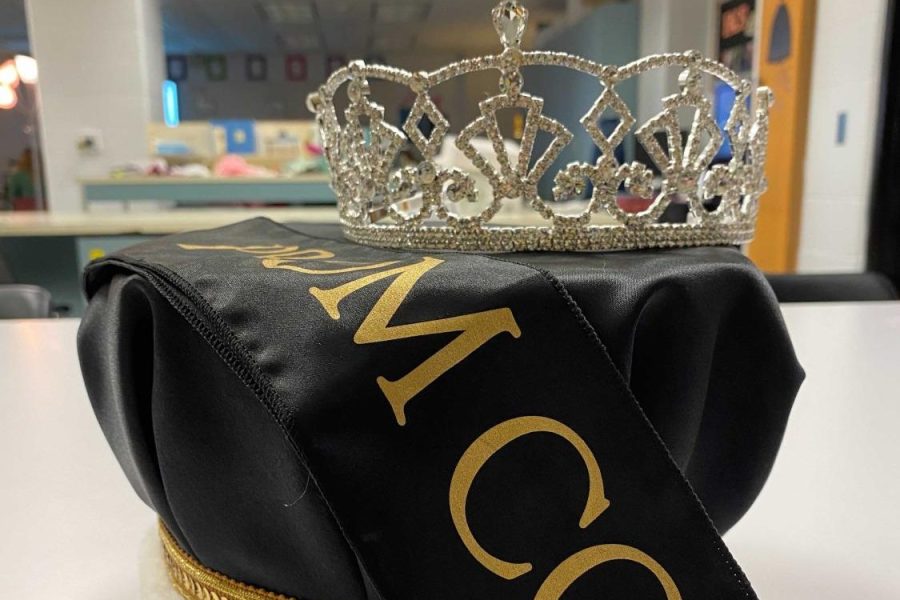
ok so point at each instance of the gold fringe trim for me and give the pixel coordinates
(195, 582)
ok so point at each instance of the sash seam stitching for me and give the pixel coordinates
(726, 556)
(254, 378)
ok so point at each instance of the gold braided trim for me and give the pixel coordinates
(195, 582)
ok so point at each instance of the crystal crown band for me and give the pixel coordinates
(423, 204)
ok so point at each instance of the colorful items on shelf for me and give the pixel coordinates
(233, 165)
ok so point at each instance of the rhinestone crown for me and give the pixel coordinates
(422, 204)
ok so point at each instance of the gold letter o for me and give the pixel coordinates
(482, 450)
(580, 563)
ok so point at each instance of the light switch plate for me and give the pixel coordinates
(89, 141)
(842, 128)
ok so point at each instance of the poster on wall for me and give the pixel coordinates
(737, 24)
(216, 66)
(334, 63)
(257, 67)
(737, 21)
(234, 136)
(177, 68)
(296, 67)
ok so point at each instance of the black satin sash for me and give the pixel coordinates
(458, 419)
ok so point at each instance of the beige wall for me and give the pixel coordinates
(846, 78)
(101, 71)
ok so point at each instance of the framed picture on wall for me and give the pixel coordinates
(737, 25)
(239, 135)
(177, 67)
(296, 67)
(257, 67)
(334, 62)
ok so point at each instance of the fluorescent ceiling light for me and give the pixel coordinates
(393, 42)
(299, 41)
(391, 13)
(288, 13)
(344, 8)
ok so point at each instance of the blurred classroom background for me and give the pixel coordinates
(122, 120)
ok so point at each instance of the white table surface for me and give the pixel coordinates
(826, 527)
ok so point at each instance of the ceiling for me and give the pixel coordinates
(349, 27)
(354, 27)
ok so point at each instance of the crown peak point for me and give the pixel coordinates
(510, 21)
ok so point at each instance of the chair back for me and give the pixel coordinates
(5, 273)
(20, 301)
(849, 287)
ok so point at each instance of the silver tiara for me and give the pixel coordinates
(392, 192)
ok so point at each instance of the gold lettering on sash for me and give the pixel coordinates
(274, 250)
(568, 572)
(474, 329)
(286, 257)
(475, 457)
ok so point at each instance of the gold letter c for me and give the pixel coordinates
(482, 450)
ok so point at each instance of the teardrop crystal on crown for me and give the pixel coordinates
(383, 202)
(510, 21)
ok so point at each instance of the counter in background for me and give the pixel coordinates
(303, 189)
(51, 250)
